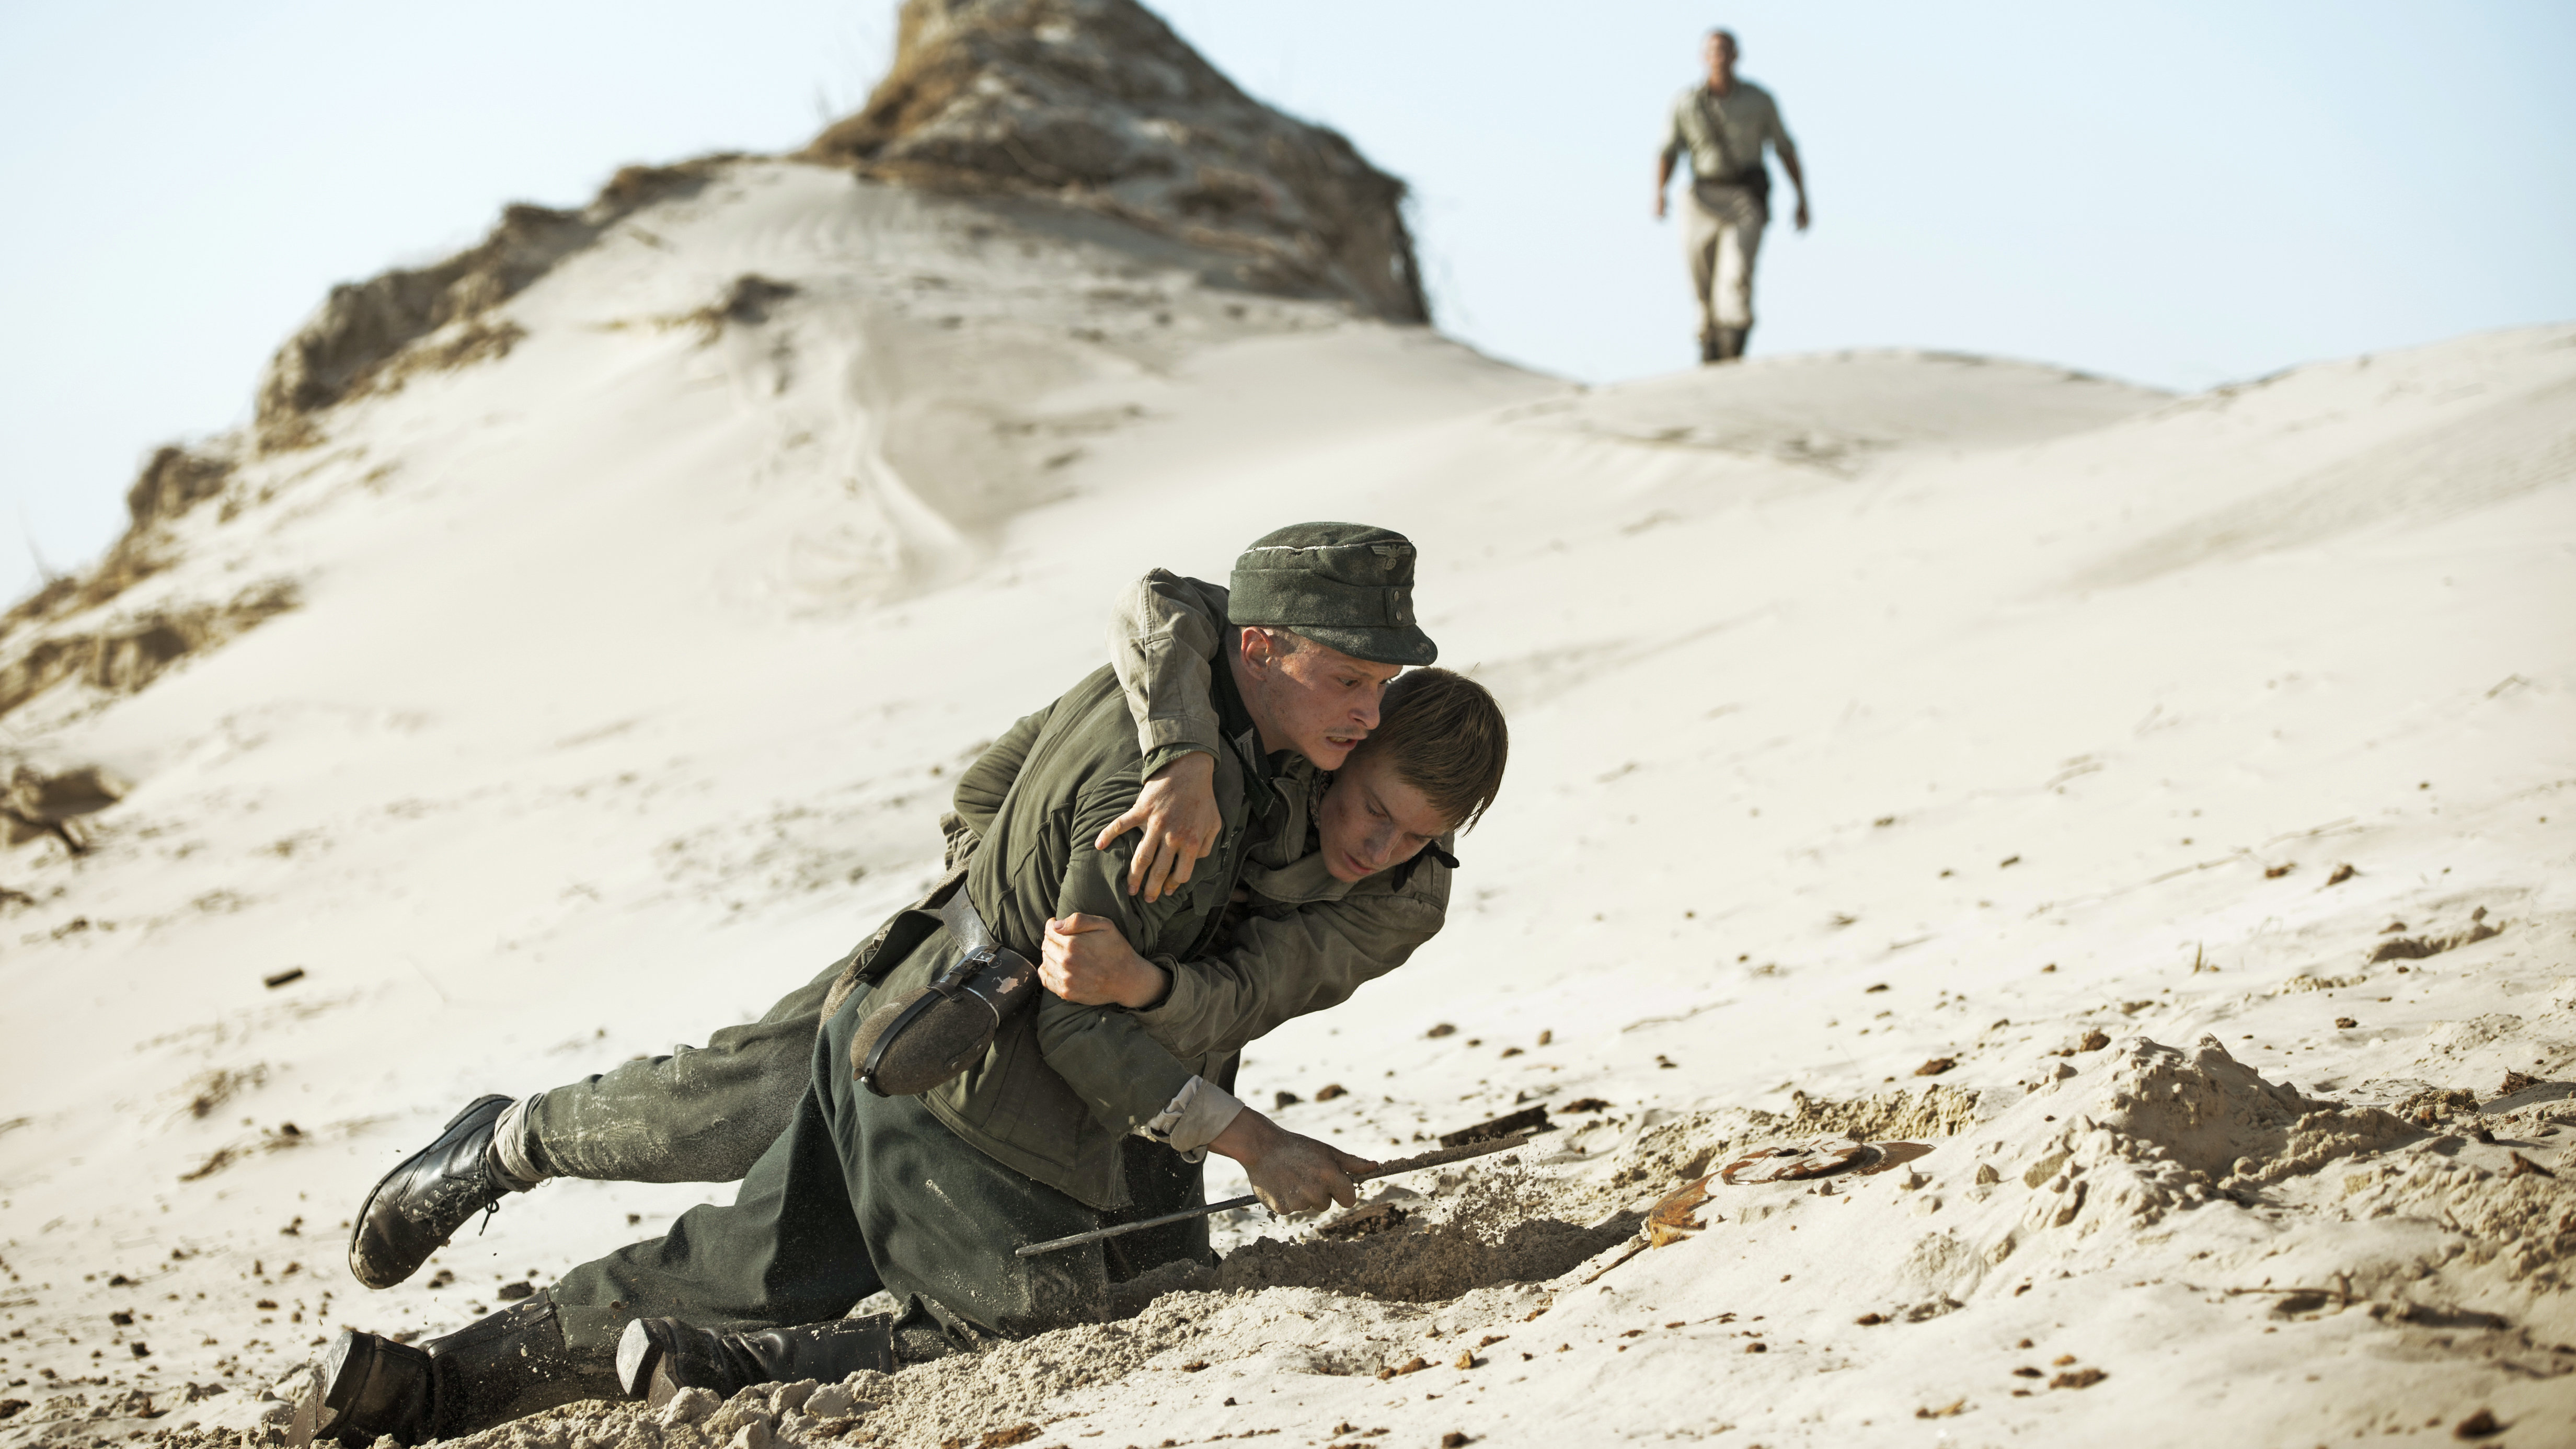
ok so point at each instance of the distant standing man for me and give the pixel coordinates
(1723, 123)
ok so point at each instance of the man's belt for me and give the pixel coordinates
(910, 1045)
(1757, 180)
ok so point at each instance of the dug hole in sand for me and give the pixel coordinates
(2156, 807)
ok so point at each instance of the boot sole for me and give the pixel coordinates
(639, 1366)
(351, 1382)
(302, 1425)
(367, 1209)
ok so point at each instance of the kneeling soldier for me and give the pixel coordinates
(1307, 892)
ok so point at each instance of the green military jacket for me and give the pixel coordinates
(1062, 1085)
(1306, 941)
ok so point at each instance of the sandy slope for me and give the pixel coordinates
(631, 666)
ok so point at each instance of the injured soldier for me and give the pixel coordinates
(1041, 1046)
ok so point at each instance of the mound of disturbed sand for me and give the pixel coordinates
(2150, 1156)
(1350, 1308)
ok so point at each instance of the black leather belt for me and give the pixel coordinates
(967, 928)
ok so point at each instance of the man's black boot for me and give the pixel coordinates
(418, 1206)
(365, 1385)
(1708, 348)
(513, 1363)
(1730, 343)
(658, 1357)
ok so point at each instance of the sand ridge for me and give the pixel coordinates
(2239, 1171)
(1928, 747)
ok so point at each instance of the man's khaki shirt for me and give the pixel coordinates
(1746, 116)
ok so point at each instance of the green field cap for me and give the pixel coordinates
(1344, 585)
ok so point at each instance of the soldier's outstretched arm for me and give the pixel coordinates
(1134, 1083)
(1290, 1174)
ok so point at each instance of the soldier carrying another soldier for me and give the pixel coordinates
(1086, 1103)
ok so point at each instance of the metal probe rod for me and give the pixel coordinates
(1441, 1158)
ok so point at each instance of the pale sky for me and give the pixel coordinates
(2179, 195)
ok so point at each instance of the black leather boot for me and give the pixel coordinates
(1708, 348)
(418, 1206)
(1730, 342)
(658, 1357)
(366, 1385)
(498, 1368)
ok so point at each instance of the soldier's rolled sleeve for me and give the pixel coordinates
(1165, 634)
(1192, 1120)
(1309, 960)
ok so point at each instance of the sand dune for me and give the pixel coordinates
(1870, 711)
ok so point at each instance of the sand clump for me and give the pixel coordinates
(2215, 1116)
(1936, 1111)
(1501, 1224)
(2154, 1134)
(2152, 1130)
(2509, 1210)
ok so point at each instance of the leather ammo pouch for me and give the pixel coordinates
(916, 1042)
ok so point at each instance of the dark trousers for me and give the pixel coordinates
(862, 1192)
(701, 1114)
